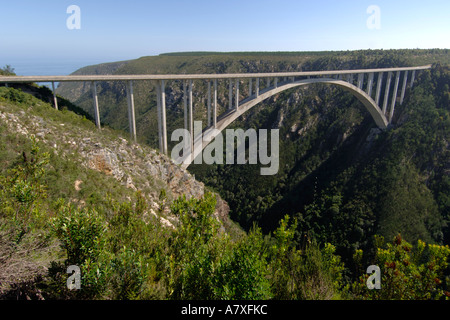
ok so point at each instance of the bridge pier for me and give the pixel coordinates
(386, 92)
(237, 95)
(350, 78)
(209, 103)
(370, 84)
(55, 100)
(95, 98)
(191, 114)
(378, 91)
(230, 95)
(131, 113)
(185, 104)
(250, 89)
(412, 77)
(394, 96)
(163, 116)
(215, 104)
(360, 80)
(161, 108)
(158, 110)
(257, 87)
(405, 81)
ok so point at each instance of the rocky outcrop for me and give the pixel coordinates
(133, 165)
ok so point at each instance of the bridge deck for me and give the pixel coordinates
(13, 79)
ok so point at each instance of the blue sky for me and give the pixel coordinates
(35, 32)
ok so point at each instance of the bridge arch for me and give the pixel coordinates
(208, 135)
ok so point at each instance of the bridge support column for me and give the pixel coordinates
(131, 113)
(191, 116)
(379, 83)
(360, 80)
(405, 81)
(370, 84)
(350, 78)
(250, 89)
(161, 109)
(209, 103)
(386, 92)
(230, 95)
(412, 78)
(158, 110)
(95, 97)
(185, 104)
(237, 95)
(257, 87)
(163, 117)
(268, 82)
(394, 96)
(55, 100)
(215, 104)
(276, 83)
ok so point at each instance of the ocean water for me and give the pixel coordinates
(48, 68)
(44, 69)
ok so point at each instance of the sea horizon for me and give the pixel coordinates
(46, 67)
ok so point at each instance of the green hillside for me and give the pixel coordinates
(344, 179)
(331, 142)
(347, 195)
(49, 223)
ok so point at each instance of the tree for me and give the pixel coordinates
(7, 71)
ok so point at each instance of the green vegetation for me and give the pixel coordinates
(343, 181)
(311, 230)
(407, 272)
(125, 254)
(7, 71)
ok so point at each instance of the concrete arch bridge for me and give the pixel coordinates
(365, 84)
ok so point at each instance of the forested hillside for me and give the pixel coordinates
(347, 194)
(336, 168)
(340, 176)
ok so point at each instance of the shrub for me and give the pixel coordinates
(192, 251)
(22, 191)
(407, 271)
(242, 273)
(80, 232)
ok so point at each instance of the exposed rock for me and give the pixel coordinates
(77, 185)
(135, 166)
